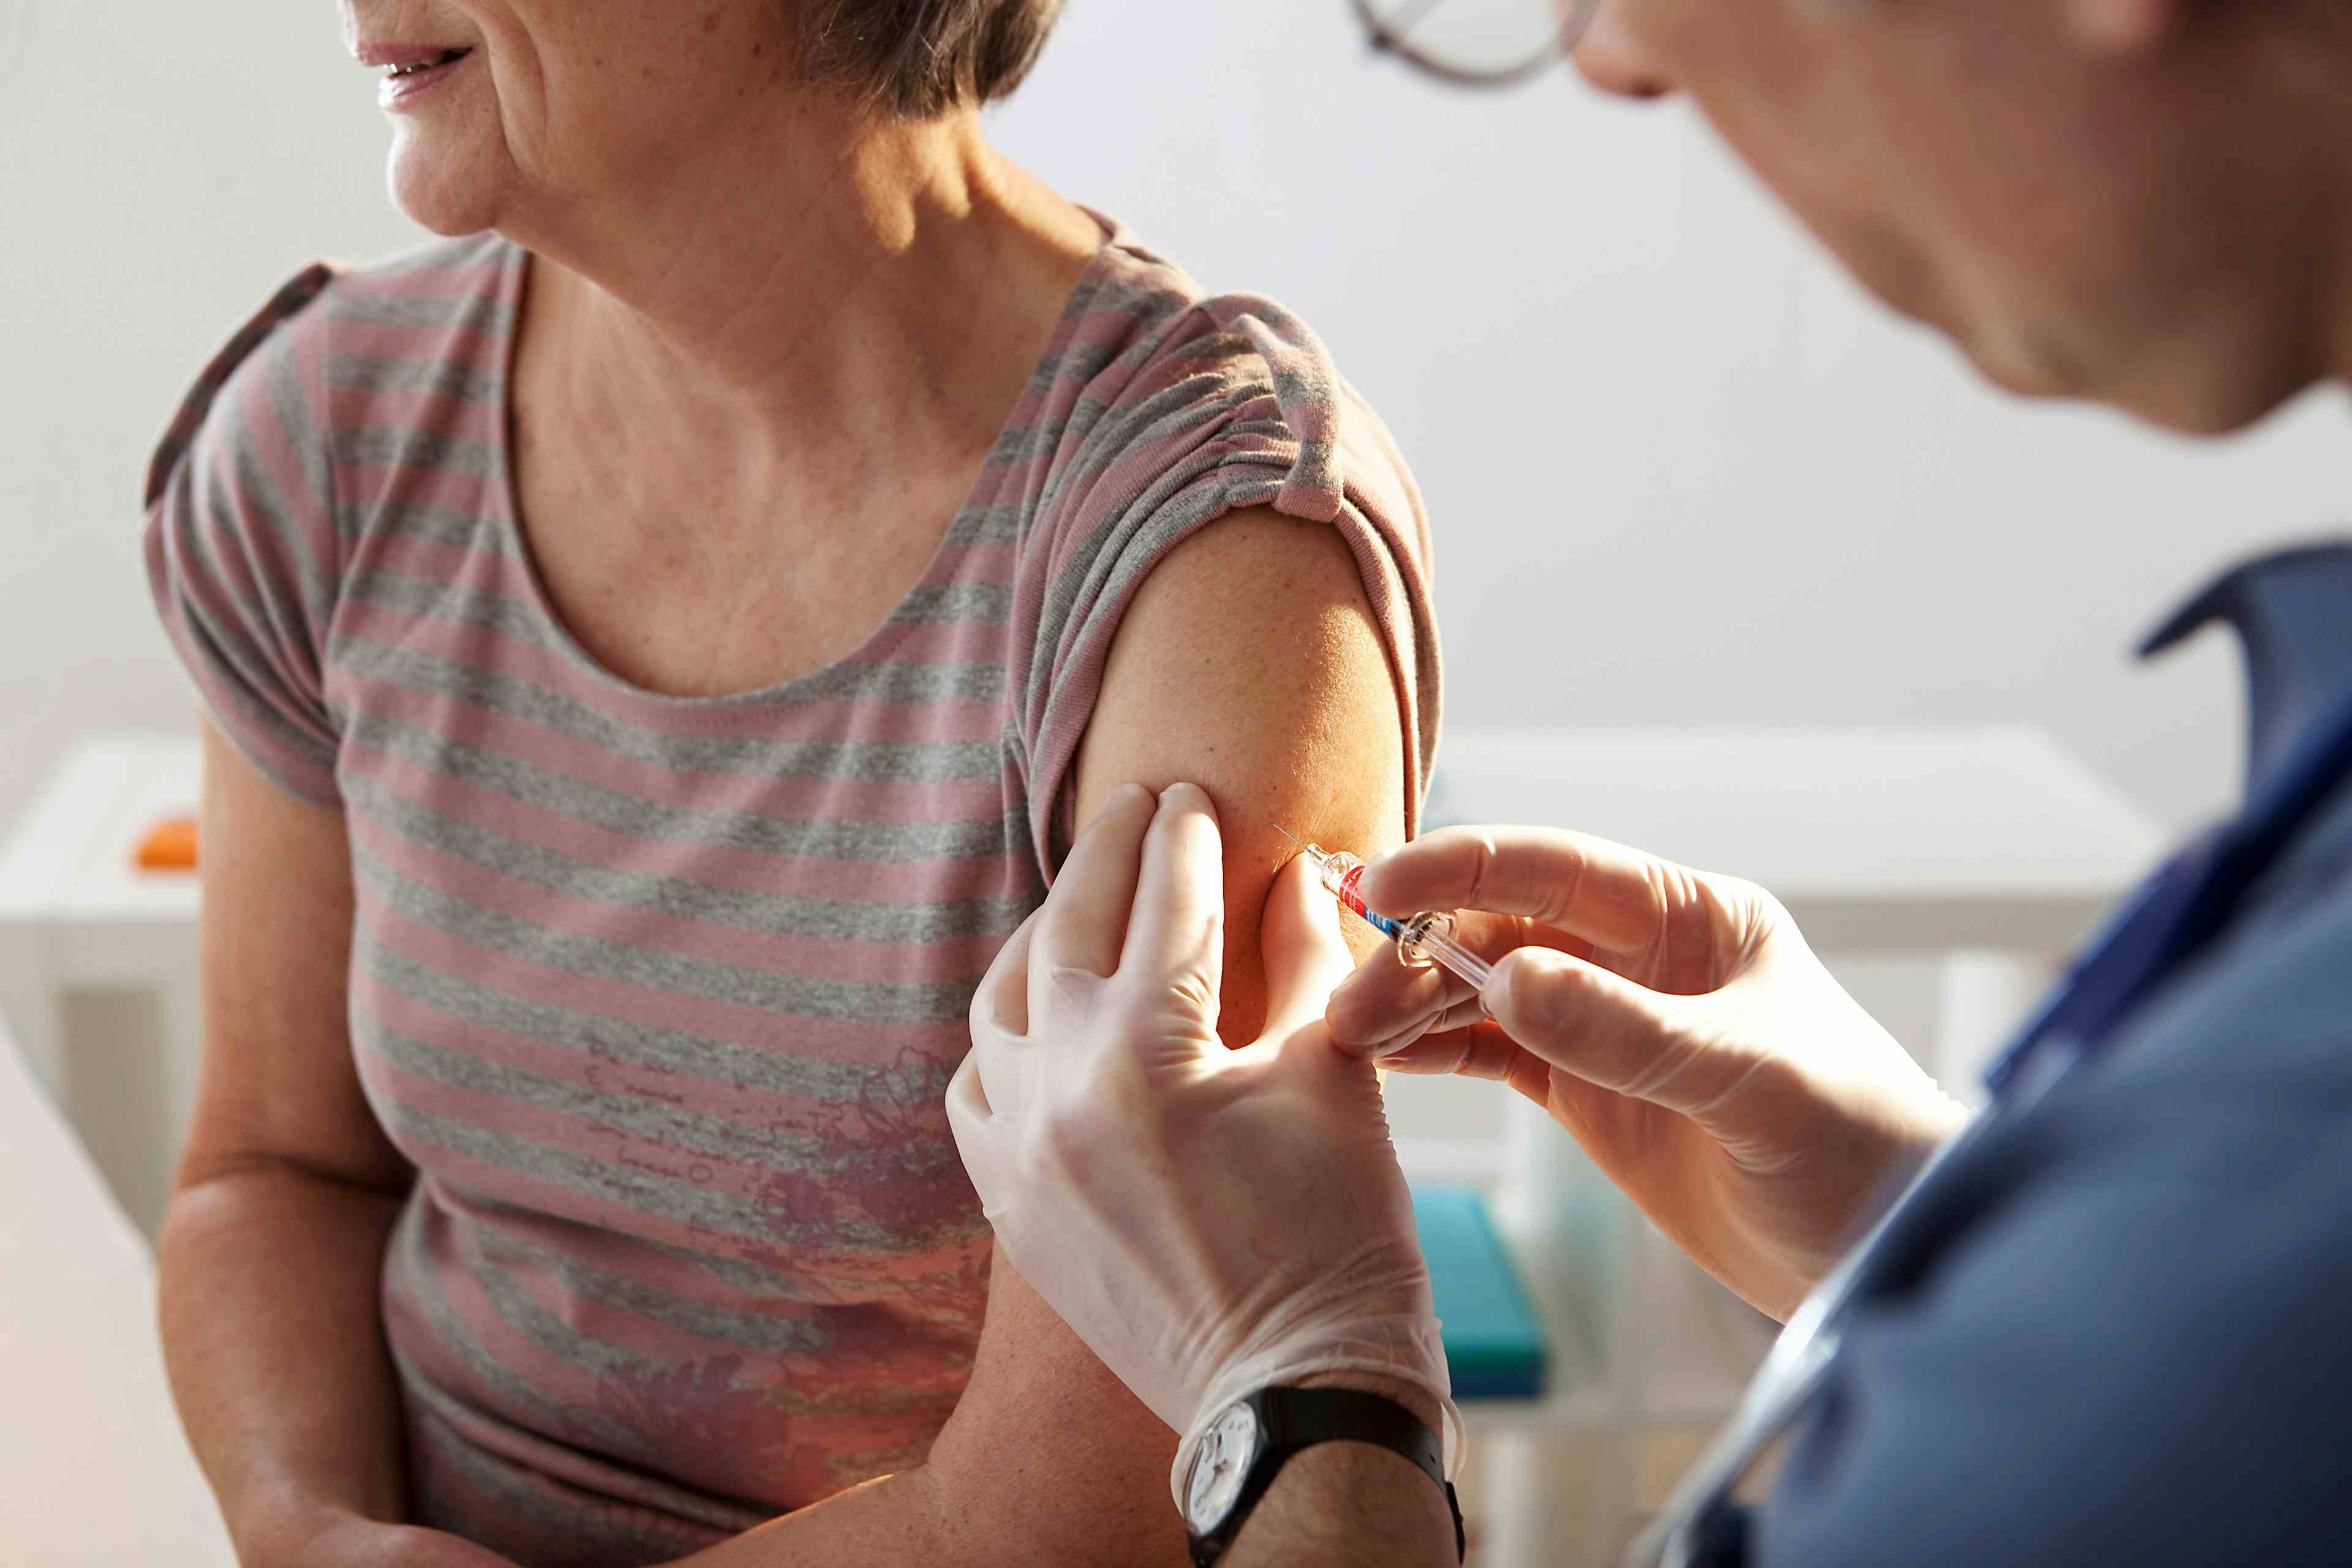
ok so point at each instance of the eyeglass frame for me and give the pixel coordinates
(1387, 39)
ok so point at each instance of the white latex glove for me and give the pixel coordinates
(1675, 1021)
(1208, 1221)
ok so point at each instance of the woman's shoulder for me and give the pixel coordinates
(1165, 325)
(1172, 408)
(342, 335)
(1164, 377)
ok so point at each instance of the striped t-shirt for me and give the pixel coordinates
(660, 995)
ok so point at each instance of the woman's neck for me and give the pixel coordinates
(826, 283)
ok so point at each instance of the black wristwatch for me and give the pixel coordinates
(1238, 1456)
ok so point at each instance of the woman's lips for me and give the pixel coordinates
(411, 70)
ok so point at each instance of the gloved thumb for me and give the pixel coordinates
(1614, 1032)
(1306, 956)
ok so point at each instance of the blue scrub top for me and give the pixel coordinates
(2126, 1337)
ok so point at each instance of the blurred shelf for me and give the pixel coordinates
(1495, 1346)
(1878, 840)
(81, 923)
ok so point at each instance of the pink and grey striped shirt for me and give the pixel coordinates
(660, 994)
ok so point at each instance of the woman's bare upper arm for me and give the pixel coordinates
(278, 1086)
(1249, 664)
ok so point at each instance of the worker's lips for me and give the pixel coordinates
(412, 70)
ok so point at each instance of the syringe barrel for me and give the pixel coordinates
(1334, 869)
(1422, 940)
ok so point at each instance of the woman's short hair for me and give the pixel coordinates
(919, 59)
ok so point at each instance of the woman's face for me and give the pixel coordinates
(514, 105)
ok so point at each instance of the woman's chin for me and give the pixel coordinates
(433, 195)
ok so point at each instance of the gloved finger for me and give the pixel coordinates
(1176, 934)
(1470, 1010)
(1000, 1002)
(1000, 1068)
(1404, 1003)
(973, 1123)
(1085, 917)
(1606, 893)
(1484, 1051)
(1387, 1002)
(1306, 955)
(1479, 1050)
(1009, 1068)
(967, 1097)
(1616, 1034)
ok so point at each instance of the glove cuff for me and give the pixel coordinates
(1407, 1350)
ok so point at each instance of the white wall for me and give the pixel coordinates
(1679, 468)
(162, 167)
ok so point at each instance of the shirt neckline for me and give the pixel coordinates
(2287, 606)
(825, 680)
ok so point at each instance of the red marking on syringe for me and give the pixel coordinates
(1426, 938)
(1351, 899)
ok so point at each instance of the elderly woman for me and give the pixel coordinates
(656, 648)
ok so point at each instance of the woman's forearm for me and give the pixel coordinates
(1015, 1519)
(889, 1520)
(1048, 1459)
(274, 1342)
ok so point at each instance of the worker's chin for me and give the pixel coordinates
(2180, 397)
(2022, 374)
(2020, 354)
(1914, 282)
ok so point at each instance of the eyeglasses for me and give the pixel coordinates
(1476, 43)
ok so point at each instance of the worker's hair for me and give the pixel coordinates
(920, 58)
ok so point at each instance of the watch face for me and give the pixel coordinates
(1218, 1465)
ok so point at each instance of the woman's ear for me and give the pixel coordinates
(2121, 28)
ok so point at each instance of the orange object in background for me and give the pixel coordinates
(169, 845)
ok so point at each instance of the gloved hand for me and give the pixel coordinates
(1208, 1221)
(1675, 1021)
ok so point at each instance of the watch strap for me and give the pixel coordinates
(1300, 1418)
(1294, 1419)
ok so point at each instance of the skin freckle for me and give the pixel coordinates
(711, 21)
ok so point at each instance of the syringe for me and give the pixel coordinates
(1421, 940)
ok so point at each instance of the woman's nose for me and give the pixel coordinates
(1613, 61)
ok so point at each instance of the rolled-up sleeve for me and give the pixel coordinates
(1237, 404)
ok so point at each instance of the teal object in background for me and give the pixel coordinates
(1494, 1344)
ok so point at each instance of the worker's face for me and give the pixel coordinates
(2082, 217)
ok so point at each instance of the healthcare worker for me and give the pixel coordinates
(2111, 1322)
